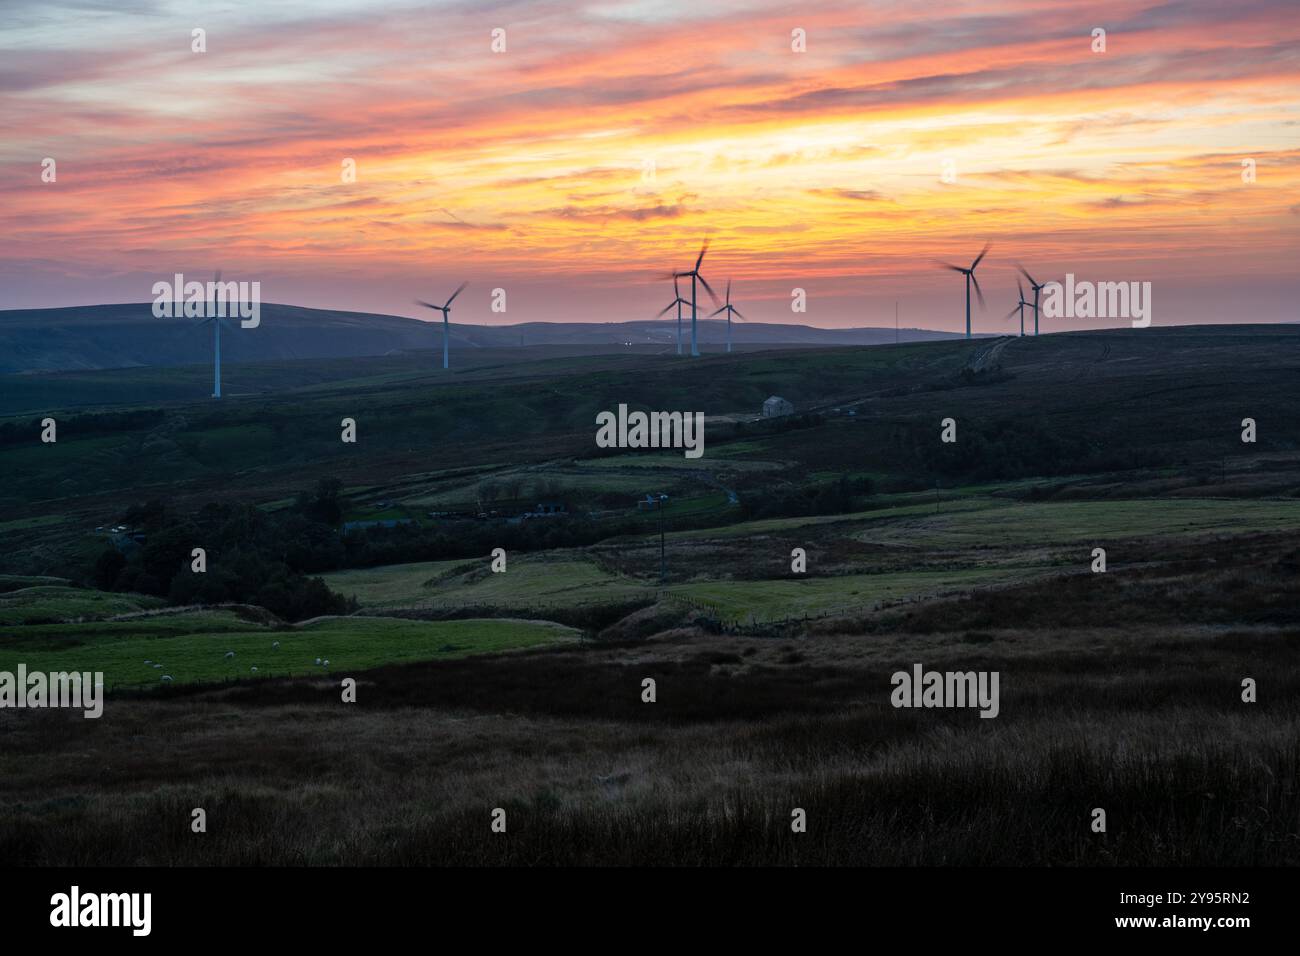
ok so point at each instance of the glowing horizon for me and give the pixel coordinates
(528, 170)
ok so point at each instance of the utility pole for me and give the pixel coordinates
(895, 321)
(663, 564)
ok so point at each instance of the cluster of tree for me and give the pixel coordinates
(1004, 449)
(783, 423)
(250, 555)
(512, 490)
(89, 423)
(468, 539)
(846, 493)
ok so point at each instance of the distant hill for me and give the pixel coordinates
(126, 336)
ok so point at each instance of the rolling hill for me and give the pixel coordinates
(129, 336)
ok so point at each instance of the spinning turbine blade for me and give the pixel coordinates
(708, 288)
(459, 290)
(983, 253)
(978, 293)
(703, 249)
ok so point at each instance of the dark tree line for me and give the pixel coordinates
(89, 423)
(252, 556)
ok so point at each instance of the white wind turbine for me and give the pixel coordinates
(695, 276)
(446, 322)
(730, 310)
(679, 302)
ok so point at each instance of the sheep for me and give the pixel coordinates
(230, 655)
(254, 668)
(157, 667)
(167, 677)
(275, 645)
(326, 664)
(148, 663)
(318, 662)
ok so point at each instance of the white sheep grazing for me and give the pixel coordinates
(148, 663)
(167, 677)
(318, 662)
(254, 669)
(230, 655)
(157, 667)
(326, 664)
(275, 645)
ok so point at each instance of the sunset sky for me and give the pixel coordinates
(610, 137)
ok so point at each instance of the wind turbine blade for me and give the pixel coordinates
(428, 305)
(1025, 273)
(708, 288)
(728, 292)
(703, 249)
(737, 313)
(983, 252)
(723, 309)
(978, 292)
(948, 265)
(667, 308)
(459, 290)
(1011, 313)
(1021, 289)
(217, 277)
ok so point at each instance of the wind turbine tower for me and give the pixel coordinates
(446, 322)
(969, 273)
(730, 310)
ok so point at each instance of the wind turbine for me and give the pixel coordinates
(1037, 287)
(217, 323)
(695, 311)
(970, 277)
(679, 302)
(446, 321)
(730, 310)
(1021, 306)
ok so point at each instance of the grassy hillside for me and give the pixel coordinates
(193, 647)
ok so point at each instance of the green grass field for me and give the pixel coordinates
(54, 603)
(775, 600)
(192, 647)
(1001, 522)
(527, 582)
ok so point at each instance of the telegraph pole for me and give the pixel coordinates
(663, 564)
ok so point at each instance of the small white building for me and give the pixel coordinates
(776, 406)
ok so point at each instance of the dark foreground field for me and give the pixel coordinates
(1109, 700)
(1120, 691)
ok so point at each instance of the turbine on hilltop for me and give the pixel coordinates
(730, 310)
(1021, 306)
(1037, 287)
(969, 273)
(679, 302)
(446, 322)
(695, 310)
(216, 323)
